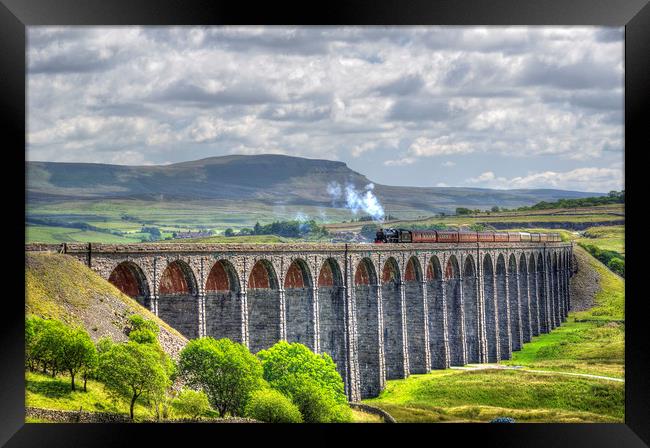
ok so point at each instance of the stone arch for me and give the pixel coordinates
(542, 296)
(415, 315)
(513, 302)
(455, 330)
(367, 316)
(470, 310)
(299, 303)
(502, 308)
(391, 301)
(263, 296)
(534, 298)
(437, 314)
(223, 305)
(524, 299)
(556, 289)
(129, 278)
(177, 298)
(331, 307)
(550, 291)
(491, 322)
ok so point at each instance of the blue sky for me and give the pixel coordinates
(494, 107)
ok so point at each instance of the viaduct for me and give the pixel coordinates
(380, 311)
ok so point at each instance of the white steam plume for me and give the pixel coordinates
(358, 200)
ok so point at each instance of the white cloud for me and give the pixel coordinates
(439, 146)
(400, 162)
(375, 97)
(582, 179)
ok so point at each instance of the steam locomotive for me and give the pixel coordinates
(447, 236)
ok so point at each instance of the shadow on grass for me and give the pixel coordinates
(51, 388)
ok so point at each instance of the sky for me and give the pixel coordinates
(489, 107)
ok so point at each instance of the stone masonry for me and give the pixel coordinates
(381, 311)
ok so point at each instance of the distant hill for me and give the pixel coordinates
(59, 286)
(272, 179)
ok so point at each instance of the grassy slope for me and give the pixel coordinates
(43, 391)
(453, 395)
(58, 286)
(591, 341)
(365, 417)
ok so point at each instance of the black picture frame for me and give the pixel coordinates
(15, 15)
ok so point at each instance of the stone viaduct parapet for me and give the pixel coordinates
(381, 311)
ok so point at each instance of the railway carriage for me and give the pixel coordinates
(447, 236)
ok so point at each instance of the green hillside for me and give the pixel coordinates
(59, 286)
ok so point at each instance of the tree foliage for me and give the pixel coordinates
(143, 331)
(268, 405)
(77, 353)
(309, 379)
(292, 229)
(225, 370)
(131, 370)
(612, 259)
(613, 197)
(59, 347)
(191, 403)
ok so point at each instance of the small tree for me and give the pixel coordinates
(229, 232)
(191, 402)
(77, 353)
(495, 209)
(47, 343)
(130, 370)
(225, 370)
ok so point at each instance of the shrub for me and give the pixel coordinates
(317, 405)
(143, 336)
(268, 405)
(617, 265)
(311, 380)
(225, 370)
(191, 403)
(142, 331)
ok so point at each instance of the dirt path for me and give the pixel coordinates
(523, 369)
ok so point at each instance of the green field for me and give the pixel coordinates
(475, 396)
(47, 234)
(128, 217)
(605, 237)
(248, 239)
(602, 213)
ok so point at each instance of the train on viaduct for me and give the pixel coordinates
(381, 311)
